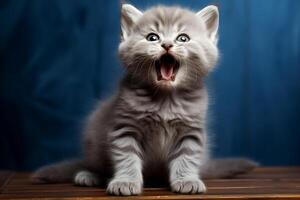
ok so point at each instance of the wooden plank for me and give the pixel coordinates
(4, 179)
(262, 183)
(211, 184)
(164, 196)
(273, 173)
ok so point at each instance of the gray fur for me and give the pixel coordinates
(57, 173)
(151, 127)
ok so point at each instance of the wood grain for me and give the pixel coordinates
(262, 183)
(4, 179)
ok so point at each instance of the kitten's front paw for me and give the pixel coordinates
(124, 187)
(191, 186)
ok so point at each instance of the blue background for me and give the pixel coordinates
(59, 57)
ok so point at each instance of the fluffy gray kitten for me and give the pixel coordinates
(155, 126)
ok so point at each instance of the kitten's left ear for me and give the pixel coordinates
(129, 17)
(210, 16)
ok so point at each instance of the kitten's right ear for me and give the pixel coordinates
(210, 16)
(129, 16)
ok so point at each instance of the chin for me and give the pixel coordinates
(165, 85)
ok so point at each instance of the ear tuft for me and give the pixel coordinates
(129, 17)
(210, 16)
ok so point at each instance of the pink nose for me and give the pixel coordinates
(166, 46)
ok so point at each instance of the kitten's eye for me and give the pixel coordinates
(183, 38)
(152, 37)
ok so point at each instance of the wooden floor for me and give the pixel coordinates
(262, 183)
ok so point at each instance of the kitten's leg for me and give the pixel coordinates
(184, 166)
(86, 178)
(127, 179)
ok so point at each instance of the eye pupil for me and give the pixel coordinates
(183, 38)
(152, 37)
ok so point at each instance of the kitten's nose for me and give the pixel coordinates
(167, 46)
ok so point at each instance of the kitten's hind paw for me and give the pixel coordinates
(124, 187)
(86, 178)
(188, 186)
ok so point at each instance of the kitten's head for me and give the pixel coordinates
(169, 47)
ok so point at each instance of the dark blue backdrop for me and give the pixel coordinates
(58, 57)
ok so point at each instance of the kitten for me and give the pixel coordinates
(155, 126)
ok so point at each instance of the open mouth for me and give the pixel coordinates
(166, 68)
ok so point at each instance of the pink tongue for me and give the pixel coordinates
(166, 71)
